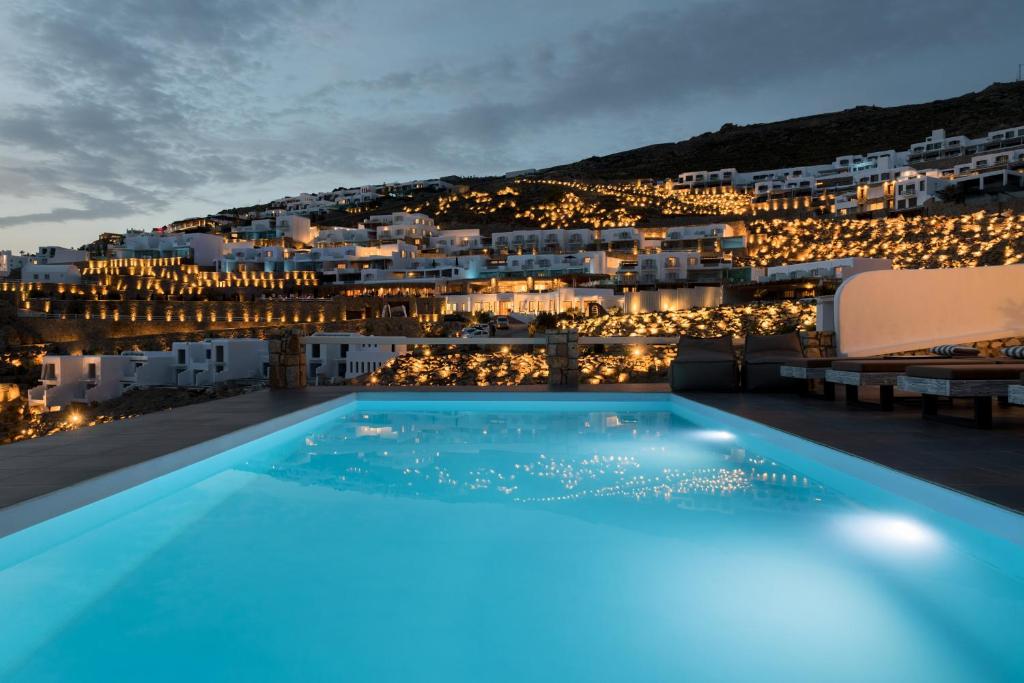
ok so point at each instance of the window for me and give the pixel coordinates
(92, 371)
(220, 354)
(181, 356)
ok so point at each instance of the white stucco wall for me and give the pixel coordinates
(903, 310)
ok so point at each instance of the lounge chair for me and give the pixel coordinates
(882, 373)
(979, 381)
(763, 357)
(811, 369)
(704, 365)
(808, 370)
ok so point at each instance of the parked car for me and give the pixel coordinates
(475, 331)
(501, 322)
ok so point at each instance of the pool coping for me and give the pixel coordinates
(989, 517)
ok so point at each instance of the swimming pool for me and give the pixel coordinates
(517, 537)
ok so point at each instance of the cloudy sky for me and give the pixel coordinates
(124, 114)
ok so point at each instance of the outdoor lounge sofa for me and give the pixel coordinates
(763, 356)
(704, 365)
(1015, 394)
(979, 381)
(883, 373)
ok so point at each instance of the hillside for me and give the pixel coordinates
(810, 139)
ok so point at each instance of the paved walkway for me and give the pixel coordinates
(37, 466)
(987, 464)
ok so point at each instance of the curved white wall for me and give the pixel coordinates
(903, 310)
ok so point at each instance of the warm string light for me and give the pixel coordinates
(976, 239)
(634, 364)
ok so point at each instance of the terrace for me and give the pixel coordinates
(627, 476)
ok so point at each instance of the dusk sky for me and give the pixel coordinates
(131, 114)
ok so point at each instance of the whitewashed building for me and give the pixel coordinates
(832, 269)
(58, 256)
(58, 273)
(211, 361)
(343, 355)
(457, 241)
(559, 300)
(202, 249)
(65, 380)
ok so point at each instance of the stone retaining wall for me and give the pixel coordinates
(563, 356)
(288, 360)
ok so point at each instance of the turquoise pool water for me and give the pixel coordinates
(518, 540)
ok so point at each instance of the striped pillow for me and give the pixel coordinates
(950, 350)
(1014, 352)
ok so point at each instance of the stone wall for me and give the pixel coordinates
(563, 356)
(288, 360)
(818, 344)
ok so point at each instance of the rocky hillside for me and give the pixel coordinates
(810, 139)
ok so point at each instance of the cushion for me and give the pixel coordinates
(897, 364)
(993, 371)
(951, 350)
(772, 348)
(694, 349)
(1014, 352)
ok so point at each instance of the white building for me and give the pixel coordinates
(307, 204)
(58, 256)
(202, 249)
(211, 361)
(342, 236)
(664, 267)
(77, 379)
(917, 189)
(940, 146)
(834, 269)
(87, 379)
(64, 274)
(558, 300)
(297, 228)
(331, 356)
(10, 262)
(149, 369)
(457, 241)
(549, 241)
(545, 264)
(407, 227)
(623, 239)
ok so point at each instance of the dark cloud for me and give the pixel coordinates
(132, 115)
(133, 107)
